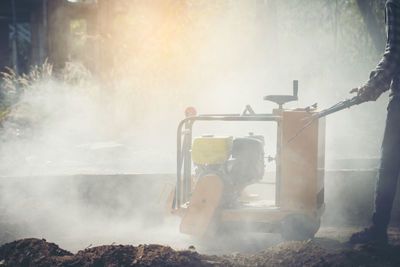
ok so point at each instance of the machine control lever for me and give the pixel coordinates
(310, 108)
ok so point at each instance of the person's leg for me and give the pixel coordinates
(387, 177)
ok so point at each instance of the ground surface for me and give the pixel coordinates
(322, 251)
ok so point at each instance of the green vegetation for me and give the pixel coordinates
(14, 85)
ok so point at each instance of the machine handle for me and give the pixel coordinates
(341, 105)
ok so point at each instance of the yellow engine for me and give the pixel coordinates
(211, 150)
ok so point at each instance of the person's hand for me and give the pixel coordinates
(367, 93)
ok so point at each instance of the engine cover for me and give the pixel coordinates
(248, 160)
(211, 150)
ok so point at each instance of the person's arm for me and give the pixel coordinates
(382, 75)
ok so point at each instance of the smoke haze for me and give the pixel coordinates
(215, 57)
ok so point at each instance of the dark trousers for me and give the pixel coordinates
(389, 169)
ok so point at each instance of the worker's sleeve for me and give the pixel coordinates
(382, 75)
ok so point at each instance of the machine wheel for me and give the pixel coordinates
(299, 227)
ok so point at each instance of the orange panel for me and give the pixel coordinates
(202, 206)
(300, 161)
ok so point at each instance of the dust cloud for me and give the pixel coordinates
(218, 58)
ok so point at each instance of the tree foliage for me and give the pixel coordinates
(371, 12)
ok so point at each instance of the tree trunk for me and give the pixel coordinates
(371, 24)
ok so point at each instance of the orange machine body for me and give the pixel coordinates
(299, 183)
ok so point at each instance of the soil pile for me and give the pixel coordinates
(309, 253)
(36, 252)
(143, 255)
(31, 252)
(287, 254)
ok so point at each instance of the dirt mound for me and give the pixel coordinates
(31, 252)
(287, 254)
(309, 253)
(143, 255)
(36, 252)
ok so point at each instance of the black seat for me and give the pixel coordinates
(283, 99)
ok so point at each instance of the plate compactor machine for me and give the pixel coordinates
(212, 172)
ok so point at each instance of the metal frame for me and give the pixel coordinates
(183, 147)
